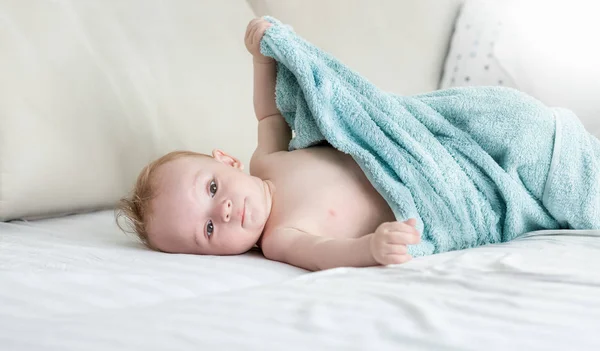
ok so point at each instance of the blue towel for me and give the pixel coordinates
(474, 166)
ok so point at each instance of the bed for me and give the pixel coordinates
(78, 283)
(91, 91)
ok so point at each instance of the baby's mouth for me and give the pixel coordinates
(243, 212)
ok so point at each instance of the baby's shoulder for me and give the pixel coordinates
(261, 165)
(276, 241)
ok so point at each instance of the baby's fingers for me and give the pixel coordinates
(260, 30)
(394, 250)
(250, 27)
(403, 238)
(396, 259)
(252, 36)
(411, 222)
(400, 226)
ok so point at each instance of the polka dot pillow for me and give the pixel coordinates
(472, 59)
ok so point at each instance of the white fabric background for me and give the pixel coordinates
(93, 90)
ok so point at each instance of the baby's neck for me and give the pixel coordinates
(269, 189)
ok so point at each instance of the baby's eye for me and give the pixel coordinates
(213, 188)
(209, 228)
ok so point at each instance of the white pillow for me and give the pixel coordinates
(552, 54)
(91, 91)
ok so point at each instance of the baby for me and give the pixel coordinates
(313, 208)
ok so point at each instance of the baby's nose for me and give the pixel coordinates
(226, 211)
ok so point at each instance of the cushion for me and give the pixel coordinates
(93, 90)
(551, 55)
(400, 46)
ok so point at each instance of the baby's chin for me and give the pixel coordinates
(241, 246)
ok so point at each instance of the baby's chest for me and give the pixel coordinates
(335, 204)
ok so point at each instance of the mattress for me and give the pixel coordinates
(77, 283)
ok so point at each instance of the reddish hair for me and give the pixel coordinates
(135, 208)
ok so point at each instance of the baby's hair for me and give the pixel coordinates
(135, 208)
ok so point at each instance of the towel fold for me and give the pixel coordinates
(474, 166)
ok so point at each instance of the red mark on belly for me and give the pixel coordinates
(331, 212)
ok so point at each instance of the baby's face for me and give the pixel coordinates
(208, 206)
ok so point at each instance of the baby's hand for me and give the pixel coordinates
(388, 243)
(254, 33)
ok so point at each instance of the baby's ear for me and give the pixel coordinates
(223, 157)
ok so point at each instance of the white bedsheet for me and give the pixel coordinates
(77, 283)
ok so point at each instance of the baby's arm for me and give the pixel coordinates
(387, 245)
(273, 132)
